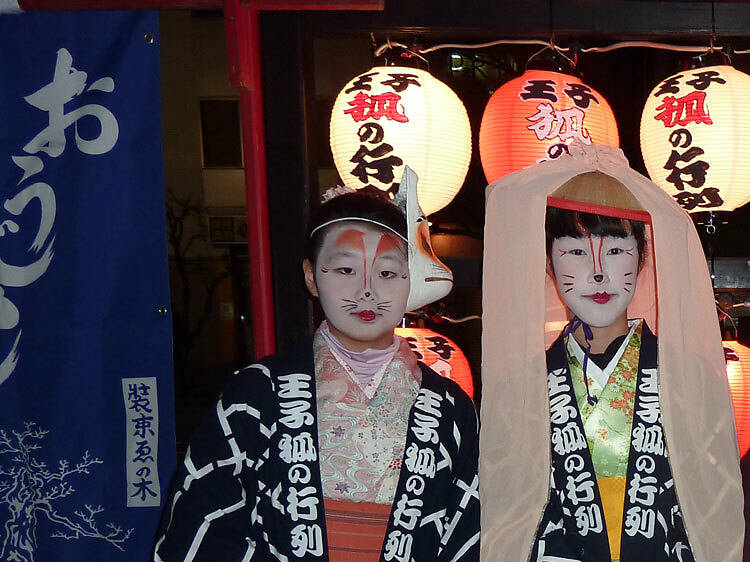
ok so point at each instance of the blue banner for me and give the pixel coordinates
(86, 402)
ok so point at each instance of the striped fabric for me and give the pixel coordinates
(355, 530)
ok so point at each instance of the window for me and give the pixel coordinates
(220, 133)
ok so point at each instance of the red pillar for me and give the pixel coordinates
(243, 53)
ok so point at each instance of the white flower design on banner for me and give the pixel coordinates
(29, 490)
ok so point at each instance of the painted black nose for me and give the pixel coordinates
(599, 278)
(367, 294)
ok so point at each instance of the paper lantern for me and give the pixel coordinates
(441, 355)
(738, 372)
(695, 138)
(533, 117)
(391, 117)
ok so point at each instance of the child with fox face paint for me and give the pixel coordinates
(600, 437)
(361, 276)
(363, 267)
(351, 445)
(595, 262)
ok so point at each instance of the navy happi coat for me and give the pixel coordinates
(250, 487)
(572, 528)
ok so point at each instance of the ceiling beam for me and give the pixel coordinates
(34, 5)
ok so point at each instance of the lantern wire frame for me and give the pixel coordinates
(550, 44)
(555, 49)
(547, 44)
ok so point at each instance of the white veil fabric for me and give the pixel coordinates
(522, 314)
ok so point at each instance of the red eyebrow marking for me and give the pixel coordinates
(351, 237)
(387, 242)
(355, 239)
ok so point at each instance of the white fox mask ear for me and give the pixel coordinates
(431, 280)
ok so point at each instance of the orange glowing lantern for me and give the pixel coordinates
(738, 372)
(533, 117)
(441, 355)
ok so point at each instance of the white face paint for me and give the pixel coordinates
(362, 277)
(596, 276)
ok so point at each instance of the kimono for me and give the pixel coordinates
(646, 516)
(250, 485)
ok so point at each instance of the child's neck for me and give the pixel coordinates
(382, 341)
(603, 336)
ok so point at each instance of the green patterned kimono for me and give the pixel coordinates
(608, 426)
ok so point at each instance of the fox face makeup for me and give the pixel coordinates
(596, 275)
(361, 276)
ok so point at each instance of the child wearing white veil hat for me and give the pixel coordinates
(618, 443)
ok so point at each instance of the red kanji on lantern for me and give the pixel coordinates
(690, 108)
(374, 107)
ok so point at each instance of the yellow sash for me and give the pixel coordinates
(608, 426)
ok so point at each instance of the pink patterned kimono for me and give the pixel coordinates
(362, 431)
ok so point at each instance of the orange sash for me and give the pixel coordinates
(355, 530)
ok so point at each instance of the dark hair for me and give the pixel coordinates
(368, 203)
(577, 224)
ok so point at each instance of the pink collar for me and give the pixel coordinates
(364, 364)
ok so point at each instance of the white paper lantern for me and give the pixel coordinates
(392, 116)
(695, 138)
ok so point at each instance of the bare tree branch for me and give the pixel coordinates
(28, 488)
(186, 227)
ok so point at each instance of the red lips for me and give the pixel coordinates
(367, 315)
(601, 298)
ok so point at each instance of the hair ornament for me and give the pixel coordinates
(335, 192)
